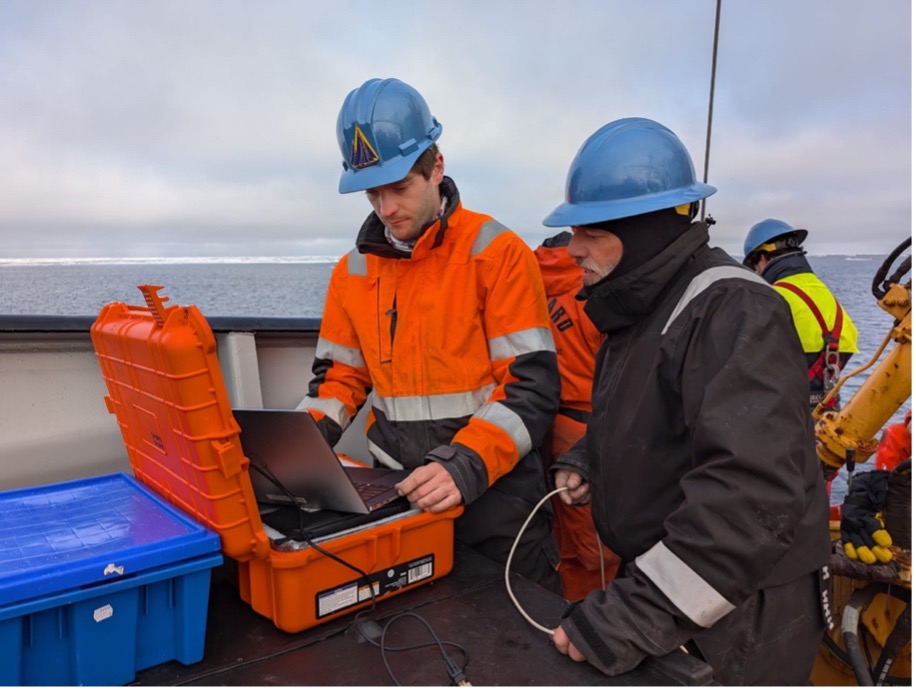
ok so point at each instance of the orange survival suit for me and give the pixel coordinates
(577, 340)
(450, 346)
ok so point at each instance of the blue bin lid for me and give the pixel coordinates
(89, 531)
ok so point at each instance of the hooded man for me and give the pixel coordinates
(698, 461)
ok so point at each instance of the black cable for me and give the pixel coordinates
(900, 635)
(880, 286)
(843, 657)
(862, 635)
(276, 482)
(455, 672)
(850, 627)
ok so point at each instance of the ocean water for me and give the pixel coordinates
(218, 287)
(297, 288)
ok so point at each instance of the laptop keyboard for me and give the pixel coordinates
(369, 491)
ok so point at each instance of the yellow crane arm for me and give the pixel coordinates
(849, 433)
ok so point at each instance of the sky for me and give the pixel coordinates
(177, 128)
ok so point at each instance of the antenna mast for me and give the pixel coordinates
(712, 93)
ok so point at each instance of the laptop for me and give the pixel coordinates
(288, 446)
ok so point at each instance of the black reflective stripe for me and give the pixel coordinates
(577, 415)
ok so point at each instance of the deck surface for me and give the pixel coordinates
(469, 606)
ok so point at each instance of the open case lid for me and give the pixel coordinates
(167, 392)
(73, 534)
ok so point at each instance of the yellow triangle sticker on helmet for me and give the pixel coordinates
(362, 154)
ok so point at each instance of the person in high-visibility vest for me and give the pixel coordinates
(773, 249)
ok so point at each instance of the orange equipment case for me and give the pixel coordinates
(167, 393)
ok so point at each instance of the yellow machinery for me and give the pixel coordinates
(873, 643)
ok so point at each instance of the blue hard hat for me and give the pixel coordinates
(628, 167)
(382, 129)
(768, 230)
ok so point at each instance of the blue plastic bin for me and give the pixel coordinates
(99, 578)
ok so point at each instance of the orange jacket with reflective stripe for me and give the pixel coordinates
(451, 345)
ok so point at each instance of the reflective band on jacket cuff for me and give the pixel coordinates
(351, 356)
(507, 420)
(424, 408)
(695, 597)
(332, 407)
(521, 343)
(704, 280)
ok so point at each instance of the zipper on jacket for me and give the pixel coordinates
(393, 313)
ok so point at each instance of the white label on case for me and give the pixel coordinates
(102, 613)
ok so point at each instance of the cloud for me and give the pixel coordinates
(209, 127)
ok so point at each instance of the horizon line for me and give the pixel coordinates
(305, 259)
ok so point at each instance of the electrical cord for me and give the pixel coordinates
(456, 672)
(518, 537)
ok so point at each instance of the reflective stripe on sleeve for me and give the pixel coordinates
(332, 407)
(351, 356)
(695, 597)
(704, 280)
(521, 343)
(383, 457)
(507, 420)
(488, 231)
(422, 408)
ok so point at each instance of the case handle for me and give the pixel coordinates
(155, 303)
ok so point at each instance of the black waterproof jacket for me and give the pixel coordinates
(701, 460)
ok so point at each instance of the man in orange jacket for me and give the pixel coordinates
(583, 560)
(438, 320)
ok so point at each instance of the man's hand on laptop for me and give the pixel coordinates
(430, 488)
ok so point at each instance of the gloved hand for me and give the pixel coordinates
(861, 529)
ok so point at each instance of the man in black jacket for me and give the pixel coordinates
(699, 457)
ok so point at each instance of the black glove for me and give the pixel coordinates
(862, 529)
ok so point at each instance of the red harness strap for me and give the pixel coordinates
(831, 337)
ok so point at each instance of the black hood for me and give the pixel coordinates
(619, 301)
(644, 236)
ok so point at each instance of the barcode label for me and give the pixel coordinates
(358, 593)
(420, 572)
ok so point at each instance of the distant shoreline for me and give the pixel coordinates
(167, 260)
